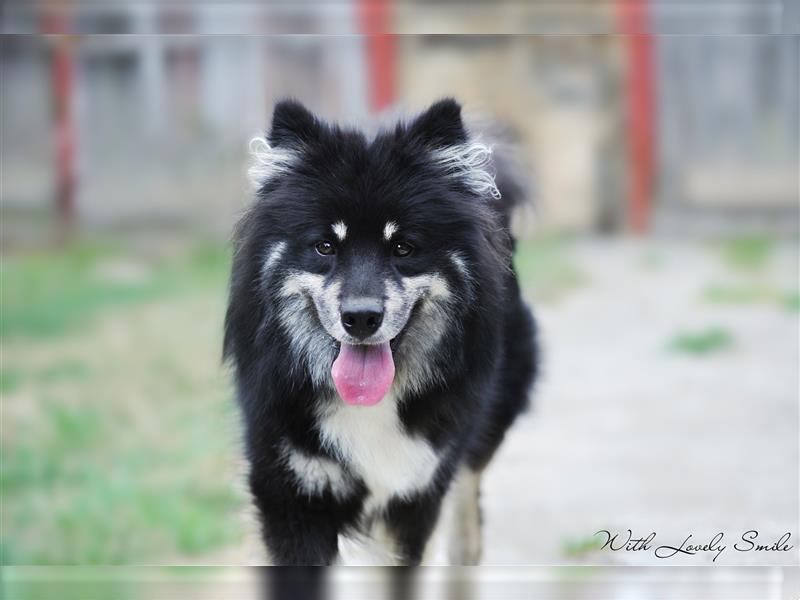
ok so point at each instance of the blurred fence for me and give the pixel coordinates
(157, 125)
(728, 119)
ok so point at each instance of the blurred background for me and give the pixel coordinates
(661, 257)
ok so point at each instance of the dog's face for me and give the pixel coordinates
(368, 251)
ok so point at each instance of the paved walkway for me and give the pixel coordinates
(627, 433)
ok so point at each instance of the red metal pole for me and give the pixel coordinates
(375, 21)
(635, 24)
(62, 78)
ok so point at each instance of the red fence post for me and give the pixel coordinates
(635, 24)
(375, 21)
(62, 79)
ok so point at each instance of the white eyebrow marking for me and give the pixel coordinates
(389, 230)
(340, 229)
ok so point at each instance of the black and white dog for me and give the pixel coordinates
(380, 345)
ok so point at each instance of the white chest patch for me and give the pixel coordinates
(372, 441)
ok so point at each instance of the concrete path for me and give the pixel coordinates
(627, 433)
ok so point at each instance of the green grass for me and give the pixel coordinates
(580, 547)
(652, 261)
(748, 252)
(791, 301)
(69, 583)
(10, 380)
(91, 490)
(62, 370)
(545, 268)
(706, 341)
(742, 294)
(117, 434)
(754, 293)
(47, 293)
(78, 497)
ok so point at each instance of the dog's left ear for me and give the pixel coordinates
(293, 123)
(440, 125)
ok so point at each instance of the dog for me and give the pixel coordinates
(379, 342)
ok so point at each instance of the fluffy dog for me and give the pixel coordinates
(380, 345)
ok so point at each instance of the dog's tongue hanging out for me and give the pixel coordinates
(363, 374)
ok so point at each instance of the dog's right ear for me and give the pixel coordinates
(292, 123)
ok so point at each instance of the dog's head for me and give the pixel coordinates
(365, 253)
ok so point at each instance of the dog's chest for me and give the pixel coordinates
(373, 443)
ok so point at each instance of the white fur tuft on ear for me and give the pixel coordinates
(268, 161)
(472, 162)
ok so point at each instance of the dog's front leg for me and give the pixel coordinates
(411, 523)
(297, 529)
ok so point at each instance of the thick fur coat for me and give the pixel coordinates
(396, 249)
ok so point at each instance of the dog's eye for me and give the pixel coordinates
(402, 249)
(325, 248)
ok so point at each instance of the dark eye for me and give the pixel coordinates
(325, 248)
(402, 249)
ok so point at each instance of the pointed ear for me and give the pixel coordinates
(440, 125)
(292, 123)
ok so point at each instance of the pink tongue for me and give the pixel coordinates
(363, 374)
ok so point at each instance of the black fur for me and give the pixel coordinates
(484, 364)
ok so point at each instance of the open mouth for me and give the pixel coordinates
(363, 373)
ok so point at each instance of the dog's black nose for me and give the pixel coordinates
(362, 317)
